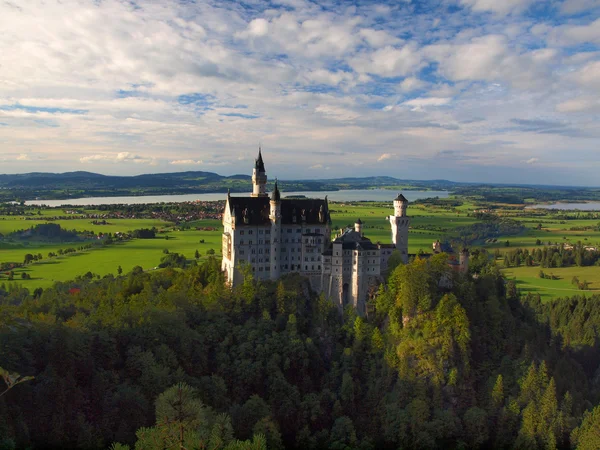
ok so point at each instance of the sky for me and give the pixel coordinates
(498, 91)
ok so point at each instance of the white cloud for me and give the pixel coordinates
(531, 161)
(577, 6)
(121, 87)
(502, 7)
(412, 84)
(186, 162)
(571, 34)
(121, 157)
(378, 38)
(23, 157)
(429, 101)
(384, 156)
(579, 105)
(389, 61)
(258, 27)
(479, 59)
(588, 75)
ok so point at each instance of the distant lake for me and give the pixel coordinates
(591, 206)
(351, 195)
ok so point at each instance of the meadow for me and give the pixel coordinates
(527, 280)
(428, 223)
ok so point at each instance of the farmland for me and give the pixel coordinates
(429, 222)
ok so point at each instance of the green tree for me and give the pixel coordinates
(476, 428)
(498, 393)
(587, 435)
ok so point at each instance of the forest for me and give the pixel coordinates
(175, 359)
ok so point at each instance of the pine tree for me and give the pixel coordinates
(498, 393)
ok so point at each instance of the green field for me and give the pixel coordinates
(103, 260)
(527, 280)
(440, 221)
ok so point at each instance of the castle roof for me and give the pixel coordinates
(254, 211)
(401, 198)
(352, 240)
(259, 165)
(275, 195)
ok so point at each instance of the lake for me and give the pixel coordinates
(351, 195)
(591, 206)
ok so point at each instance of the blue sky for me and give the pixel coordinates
(467, 90)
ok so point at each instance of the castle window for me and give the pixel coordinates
(249, 242)
(241, 252)
(298, 230)
(260, 269)
(254, 269)
(260, 231)
(241, 242)
(249, 231)
(319, 267)
(253, 260)
(305, 267)
(313, 267)
(253, 251)
(266, 259)
(260, 250)
(289, 230)
(267, 231)
(242, 232)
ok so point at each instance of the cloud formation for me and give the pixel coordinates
(129, 87)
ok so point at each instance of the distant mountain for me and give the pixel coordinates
(89, 180)
(87, 184)
(182, 180)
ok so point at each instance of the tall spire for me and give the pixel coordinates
(259, 164)
(275, 195)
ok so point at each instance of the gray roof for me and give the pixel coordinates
(254, 211)
(352, 240)
(401, 198)
(258, 163)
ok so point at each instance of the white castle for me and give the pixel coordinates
(276, 236)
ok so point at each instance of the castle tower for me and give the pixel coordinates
(400, 223)
(275, 216)
(358, 226)
(259, 177)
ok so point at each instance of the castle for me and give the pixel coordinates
(273, 236)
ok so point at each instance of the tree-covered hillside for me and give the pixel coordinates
(176, 357)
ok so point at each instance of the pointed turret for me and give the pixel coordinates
(275, 195)
(259, 177)
(275, 216)
(259, 165)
